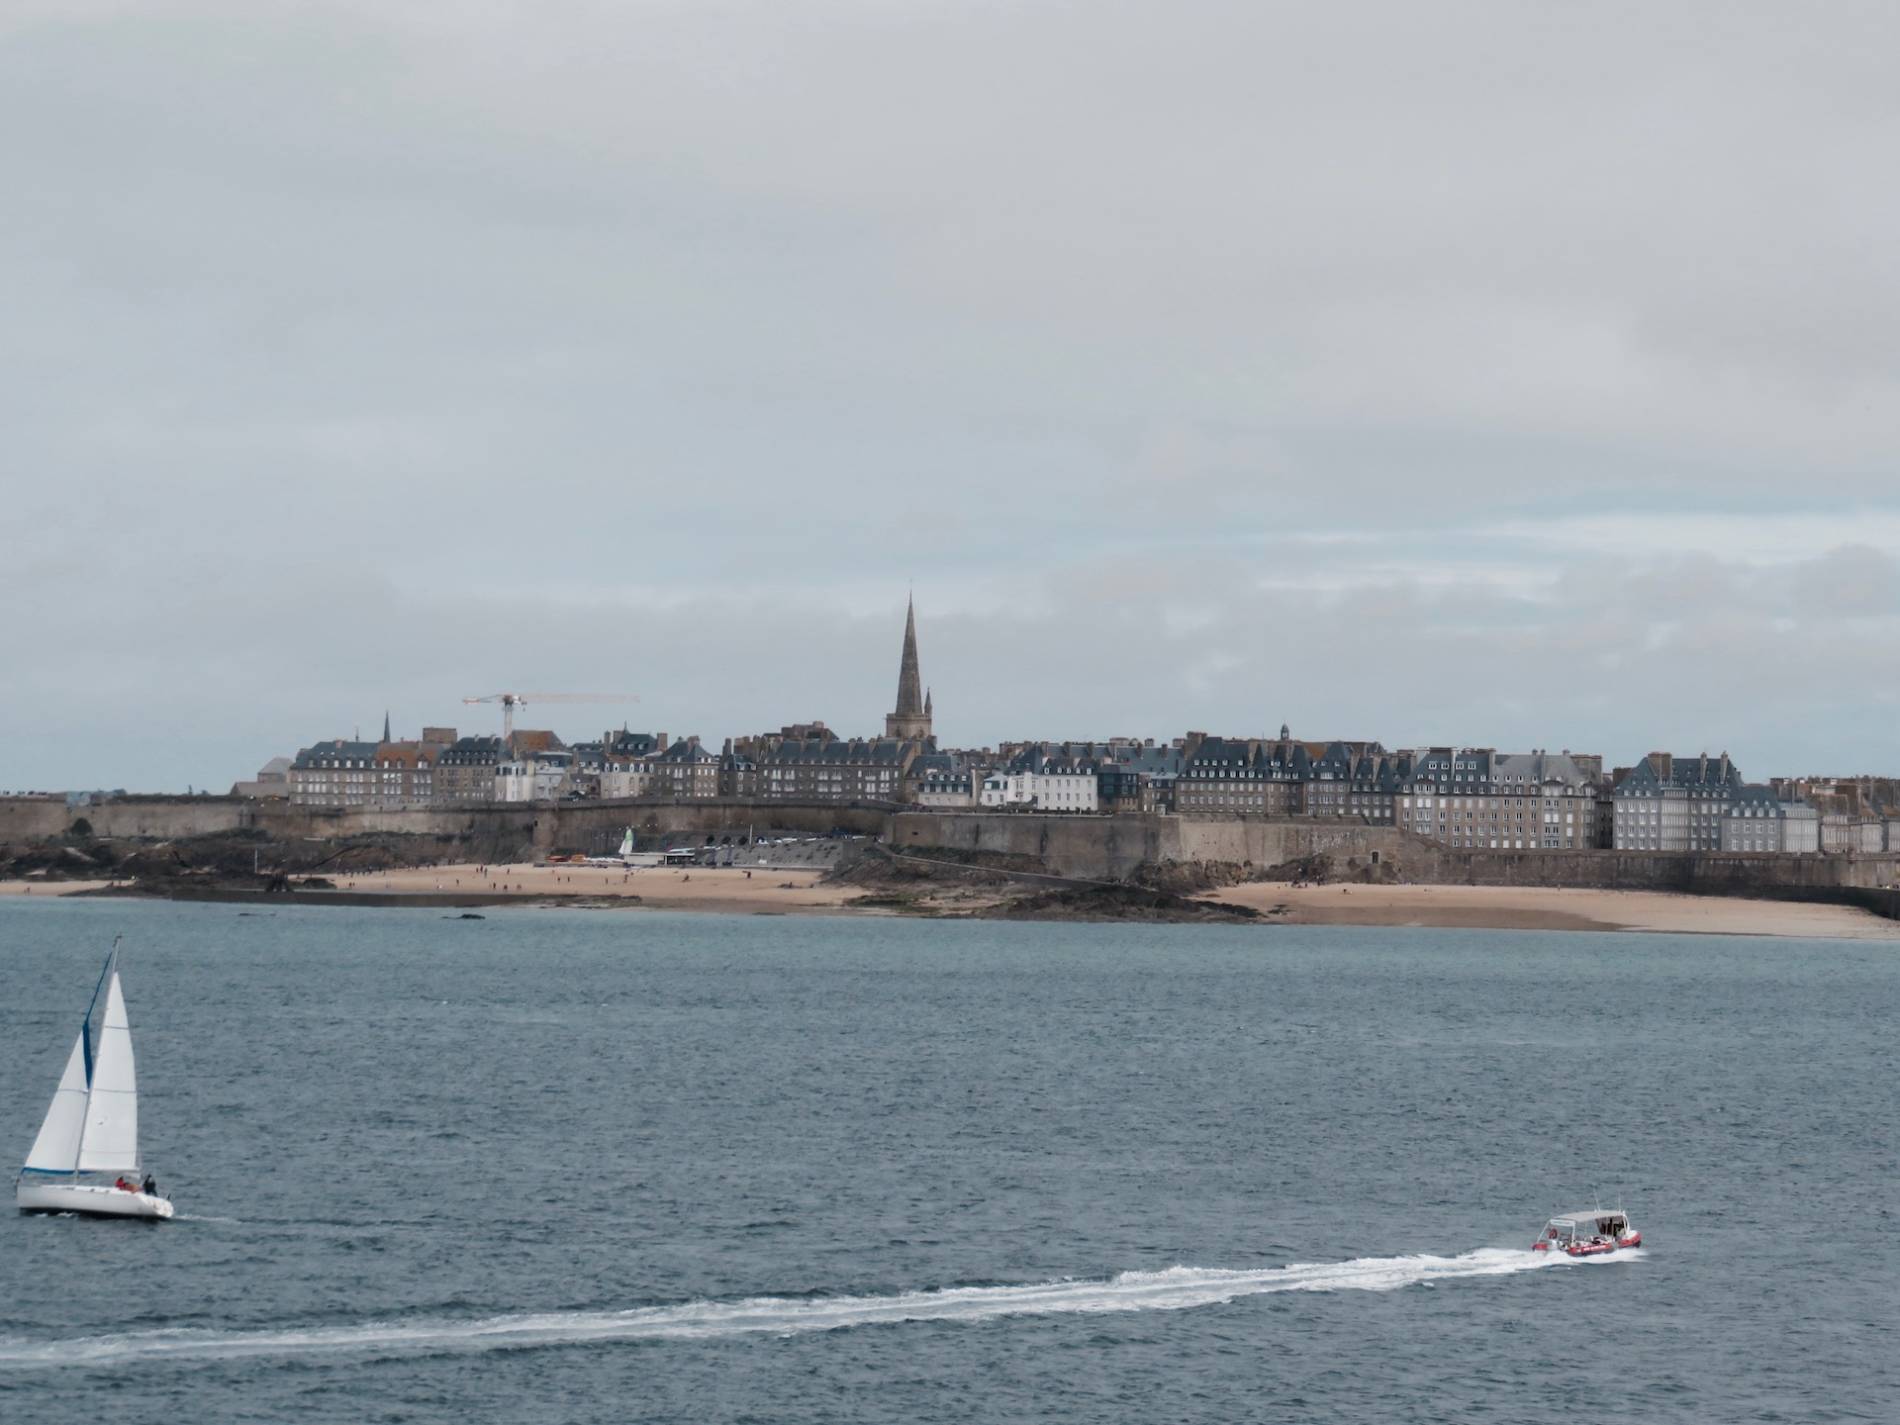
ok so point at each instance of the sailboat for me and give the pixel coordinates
(91, 1132)
(626, 845)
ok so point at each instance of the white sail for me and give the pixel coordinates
(111, 1141)
(57, 1148)
(626, 843)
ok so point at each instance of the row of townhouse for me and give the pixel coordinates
(1858, 814)
(1472, 798)
(1671, 803)
(441, 768)
(1466, 798)
(820, 767)
(536, 766)
(1120, 775)
(1480, 799)
(1483, 799)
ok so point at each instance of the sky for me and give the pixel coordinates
(1509, 374)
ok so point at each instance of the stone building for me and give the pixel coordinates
(1480, 799)
(1359, 785)
(1670, 803)
(1285, 777)
(944, 789)
(405, 772)
(465, 770)
(626, 762)
(685, 771)
(836, 770)
(337, 773)
(1756, 819)
(1844, 834)
(272, 780)
(1243, 777)
(1136, 776)
(738, 774)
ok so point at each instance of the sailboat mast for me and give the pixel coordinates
(109, 1070)
(92, 1049)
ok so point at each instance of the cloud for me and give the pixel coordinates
(1481, 373)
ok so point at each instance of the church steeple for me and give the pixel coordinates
(386, 736)
(911, 719)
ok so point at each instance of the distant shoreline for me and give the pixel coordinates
(805, 892)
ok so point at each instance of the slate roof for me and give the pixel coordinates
(337, 752)
(1234, 759)
(1538, 768)
(685, 752)
(1054, 760)
(1760, 800)
(407, 754)
(878, 751)
(472, 752)
(1701, 773)
(1381, 772)
(939, 780)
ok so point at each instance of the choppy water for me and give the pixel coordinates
(621, 1166)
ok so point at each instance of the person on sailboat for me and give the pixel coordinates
(150, 1188)
(123, 1185)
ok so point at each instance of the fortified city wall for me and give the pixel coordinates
(1088, 847)
(591, 825)
(1113, 847)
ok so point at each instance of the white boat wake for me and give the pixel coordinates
(1174, 1289)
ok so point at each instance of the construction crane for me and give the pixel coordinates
(510, 701)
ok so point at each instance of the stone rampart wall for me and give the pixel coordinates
(1113, 847)
(1088, 847)
(1091, 847)
(152, 818)
(581, 825)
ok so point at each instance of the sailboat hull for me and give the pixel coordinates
(91, 1201)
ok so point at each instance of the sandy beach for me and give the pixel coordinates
(737, 890)
(763, 891)
(40, 886)
(1543, 908)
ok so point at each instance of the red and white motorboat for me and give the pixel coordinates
(1588, 1234)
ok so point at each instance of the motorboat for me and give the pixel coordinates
(86, 1157)
(1588, 1234)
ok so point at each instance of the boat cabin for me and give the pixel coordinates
(1569, 1228)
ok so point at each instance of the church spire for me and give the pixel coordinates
(386, 737)
(911, 718)
(910, 692)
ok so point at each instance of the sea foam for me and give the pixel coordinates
(1173, 1289)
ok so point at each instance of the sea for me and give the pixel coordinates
(565, 1165)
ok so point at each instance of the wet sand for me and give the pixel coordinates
(1543, 908)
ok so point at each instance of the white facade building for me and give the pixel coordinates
(1056, 787)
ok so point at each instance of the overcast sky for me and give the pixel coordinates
(1518, 374)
